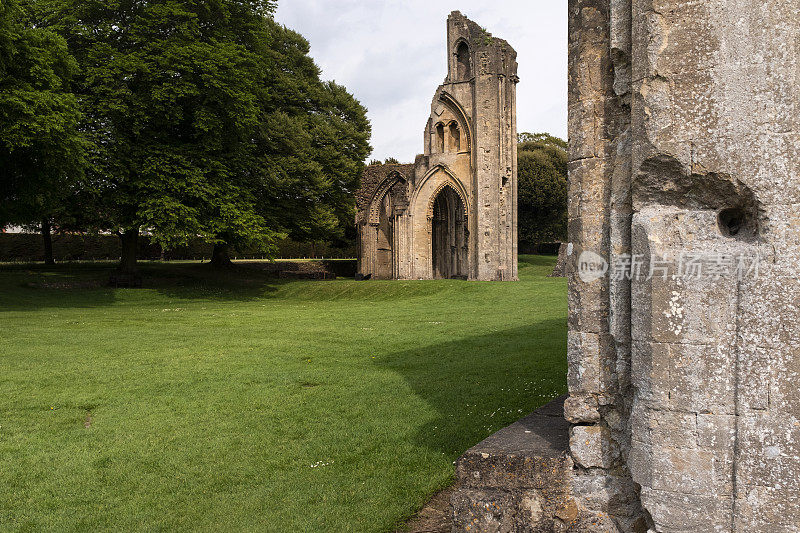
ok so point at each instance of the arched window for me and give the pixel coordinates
(463, 62)
(440, 137)
(455, 138)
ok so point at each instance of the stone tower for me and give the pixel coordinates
(453, 212)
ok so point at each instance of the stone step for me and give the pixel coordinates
(515, 480)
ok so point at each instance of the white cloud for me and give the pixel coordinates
(391, 55)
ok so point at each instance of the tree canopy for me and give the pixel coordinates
(542, 189)
(41, 150)
(206, 119)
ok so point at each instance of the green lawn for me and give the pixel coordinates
(245, 403)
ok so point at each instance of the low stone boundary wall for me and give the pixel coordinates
(516, 480)
(314, 269)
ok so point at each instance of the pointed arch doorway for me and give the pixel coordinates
(449, 236)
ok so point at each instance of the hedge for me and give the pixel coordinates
(26, 247)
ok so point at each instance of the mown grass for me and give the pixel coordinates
(235, 402)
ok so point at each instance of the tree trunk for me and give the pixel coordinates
(48, 243)
(221, 256)
(130, 244)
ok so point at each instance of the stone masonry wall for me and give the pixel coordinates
(599, 223)
(683, 142)
(372, 177)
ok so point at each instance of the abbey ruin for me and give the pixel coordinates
(452, 213)
(683, 412)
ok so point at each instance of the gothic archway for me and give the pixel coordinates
(388, 202)
(449, 235)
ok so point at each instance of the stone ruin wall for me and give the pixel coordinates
(475, 159)
(371, 179)
(493, 102)
(683, 140)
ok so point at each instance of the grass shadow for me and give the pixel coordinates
(85, 285)
(492, 380)
(25, 286)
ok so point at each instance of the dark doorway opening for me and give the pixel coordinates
(449, 236)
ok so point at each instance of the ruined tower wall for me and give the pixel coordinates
(683, 147)
(493, 116)
(470, 149)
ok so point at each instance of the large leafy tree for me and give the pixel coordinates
(542, 188)
(41, 151)
(309, 149)
(208, 119)
(169, 91)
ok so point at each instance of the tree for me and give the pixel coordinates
(170, 93)
(542, 188)
(387, 161)
(309, 151)
(209, 119)
(41, 151)
(544, 138)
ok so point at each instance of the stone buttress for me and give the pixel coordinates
(684, 357)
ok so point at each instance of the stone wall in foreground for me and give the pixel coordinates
(684, 356)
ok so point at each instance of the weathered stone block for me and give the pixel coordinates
(516, 480)
(702, 378)
(768, 509)
(754, 369)
(581, 408)
(588, 309)
(650, 364)
(590, 229)
(664, 428)
(785, 371)
(716, 431)
(697, 311)
(640, 462)
(491, 511)
(769, 448)
(683, 470)
(603, 492)
(674, 512)
(591, 360)
(593, 447)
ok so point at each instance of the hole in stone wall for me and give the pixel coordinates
(735, 222)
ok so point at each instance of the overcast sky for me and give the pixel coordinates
(391, 55)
